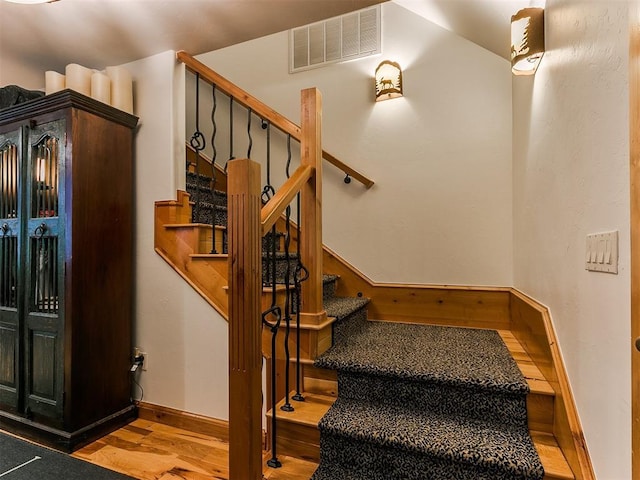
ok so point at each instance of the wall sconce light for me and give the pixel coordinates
(527, 40)
(388, 81)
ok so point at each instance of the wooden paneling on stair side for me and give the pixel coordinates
(531, 325)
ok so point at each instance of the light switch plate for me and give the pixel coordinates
(602, 252)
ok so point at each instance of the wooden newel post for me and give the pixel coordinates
(311, 207)
(245, 288)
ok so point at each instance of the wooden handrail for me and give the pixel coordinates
(276, 206)
(264, 111)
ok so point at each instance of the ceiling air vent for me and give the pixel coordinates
(354, 35)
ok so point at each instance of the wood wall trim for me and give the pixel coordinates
(532, 326)
(184, 420)
(634, 177)
(465, 306)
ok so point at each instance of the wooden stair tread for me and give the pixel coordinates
(553, 460)
(208, 256)
(537, 383)
(309, 413)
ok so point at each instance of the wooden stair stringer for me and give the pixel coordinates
(177, 243)
(532, 326)
(180, 242)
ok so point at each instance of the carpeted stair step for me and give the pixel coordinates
(414, 394)
(408, 442)
(299, 436)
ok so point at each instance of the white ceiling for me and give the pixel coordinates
(97, 33)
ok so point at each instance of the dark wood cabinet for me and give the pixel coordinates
(66, 269)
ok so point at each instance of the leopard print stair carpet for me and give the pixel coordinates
(424, 402)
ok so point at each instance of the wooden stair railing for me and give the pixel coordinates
(263, 110)
(247, 225)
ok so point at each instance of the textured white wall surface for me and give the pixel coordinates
(571, 178)
(440, 211)
(185, 338)
(13, 71)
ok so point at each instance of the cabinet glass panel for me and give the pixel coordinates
(44, 274)
(9, 180)
(44, 200)
(8, 271)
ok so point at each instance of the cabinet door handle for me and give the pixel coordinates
(5, 229)
(637, 342)
(40, 230)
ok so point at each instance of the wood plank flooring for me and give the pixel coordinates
(147, 450)
(152, 451)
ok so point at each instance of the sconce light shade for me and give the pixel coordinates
(388, 81)
(527, 40)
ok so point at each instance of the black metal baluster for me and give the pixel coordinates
(214, 179)
(268, 191)
(198, 143)
(249, 133)
(287, 310)
(231, 156)
(288, 154)
(297, 279)
(275, 310)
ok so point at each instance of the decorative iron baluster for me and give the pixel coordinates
(288, 155)
(268, 191)
(214, 178)
(287, 310)
(249, 133)
(274, 310)
(231, 156)
(297, 280)
(198, 143)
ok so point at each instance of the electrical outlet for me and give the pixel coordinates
(137, 351)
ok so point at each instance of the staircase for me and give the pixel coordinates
(382, 445)
(355, 420)
(378, 403)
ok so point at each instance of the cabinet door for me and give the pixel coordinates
(44, 260)
(10, 270)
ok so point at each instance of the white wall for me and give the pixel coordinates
(15, 71)
(440, 211)
(571, 178)
(186, 340)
